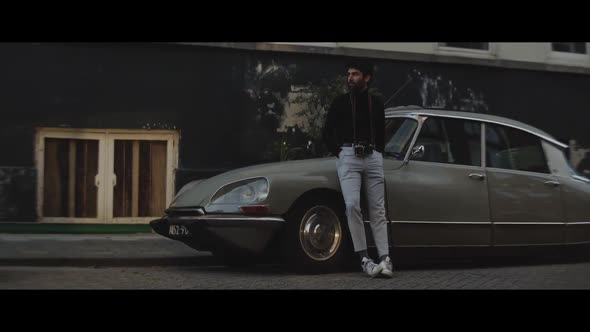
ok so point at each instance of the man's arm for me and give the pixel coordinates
(379, 120)
(329, 131)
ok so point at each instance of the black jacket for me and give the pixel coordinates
(338, 126)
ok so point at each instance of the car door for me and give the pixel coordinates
(576, 197)
(575, 193)
(440, 196)
(525, 198)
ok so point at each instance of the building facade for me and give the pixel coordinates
(108, 133)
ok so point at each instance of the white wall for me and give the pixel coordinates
(532, 52)
(529, 52)
(425, 48)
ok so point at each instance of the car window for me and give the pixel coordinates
(398, 135)
(450, 141)
(511, 148)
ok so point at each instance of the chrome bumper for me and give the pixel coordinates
(213, 232)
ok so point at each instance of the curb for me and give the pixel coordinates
(109, 261)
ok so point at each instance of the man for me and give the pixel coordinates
(354, 131)
(584, 165)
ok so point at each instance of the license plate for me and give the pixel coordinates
(178, 230)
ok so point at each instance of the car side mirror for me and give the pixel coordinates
(417, 152)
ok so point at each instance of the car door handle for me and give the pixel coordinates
(476, 176)
(552, 183)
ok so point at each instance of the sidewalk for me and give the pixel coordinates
(95, 250)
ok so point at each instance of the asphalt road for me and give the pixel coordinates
(206, 273)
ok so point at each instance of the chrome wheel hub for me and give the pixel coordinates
(320, 233)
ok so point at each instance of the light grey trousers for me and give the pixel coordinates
(351, 171)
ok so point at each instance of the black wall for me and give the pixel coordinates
(210, 96)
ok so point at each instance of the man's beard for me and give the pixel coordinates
(355, 88)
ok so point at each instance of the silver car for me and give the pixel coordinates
(453, 179)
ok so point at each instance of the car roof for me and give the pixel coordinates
(418, 110)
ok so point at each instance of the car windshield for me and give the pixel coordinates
(398, 135)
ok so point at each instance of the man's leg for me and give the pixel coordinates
(349, 173)
(375, 191)
(350, 169)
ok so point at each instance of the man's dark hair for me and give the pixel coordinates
(365, 67)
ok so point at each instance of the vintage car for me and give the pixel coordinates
(453, 179)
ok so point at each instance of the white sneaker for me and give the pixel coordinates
(370, 268)
(386, 267)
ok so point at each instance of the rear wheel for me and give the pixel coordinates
(316, 238)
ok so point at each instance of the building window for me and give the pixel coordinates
(140, 169)
(471, 46)
(569, 54)
(70, 169)
(577, 48)
(105, 176)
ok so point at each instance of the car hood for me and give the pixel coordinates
(200, 194)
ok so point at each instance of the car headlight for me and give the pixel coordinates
(249, 191)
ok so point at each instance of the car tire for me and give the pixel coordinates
(316, 238)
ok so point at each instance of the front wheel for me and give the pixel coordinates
(316, 238)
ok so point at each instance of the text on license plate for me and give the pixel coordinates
(178, 230)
